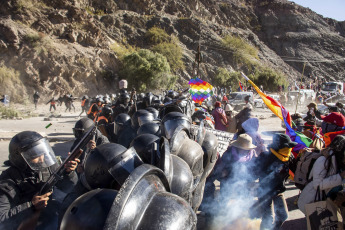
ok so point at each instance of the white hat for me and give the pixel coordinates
(228, 108)
(244, 141)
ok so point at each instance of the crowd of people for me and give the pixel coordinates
(152, 162)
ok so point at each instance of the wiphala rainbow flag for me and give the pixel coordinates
(200, 90)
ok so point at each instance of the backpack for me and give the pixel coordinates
(304, 167)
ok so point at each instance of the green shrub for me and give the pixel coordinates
(242, 53)
(122, 50)
(146, 70)
(8, 112)
(172, 52)
(157, 35)
(269, 78)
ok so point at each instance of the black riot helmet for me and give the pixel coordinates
(171, 121)
(148, 99)
(81, 213)
(109, 165)
(151, 128)
(167, 99)
(141, 117)
(182, 178)
(124, 98)
(153, 207)
(122, 120)
(169, 109)
(107, 112)
(209, 145)
(140, 96)
(82, 126)
(155, 151)
(98, 99)
(29, 148)
(154, 112)
(173, 94)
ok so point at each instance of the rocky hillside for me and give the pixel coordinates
(57, 47)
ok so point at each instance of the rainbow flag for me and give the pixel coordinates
(284, 115)
(200, 90)
(241, 87)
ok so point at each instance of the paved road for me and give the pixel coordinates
(60, 136)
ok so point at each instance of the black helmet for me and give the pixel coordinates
(141, 117)
(151, 128)
(81, 213)
(173, 120)
(198, 116)
(169, 109)
(141, 96)
(121, 120)
(154, 112)
(29, 148)
(124, 98)
(209, 145)
(146, 203)
(173, 94)
(167, 99)
(182, 178)
(189, 150)
(148, 99)
(82, 126)
(109, 165)
(98, 99)
(143, 144)
(107, 111)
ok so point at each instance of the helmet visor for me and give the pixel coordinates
(40, 155)
(78, 133)
(145, 119)
(171, 125)
(121, 168)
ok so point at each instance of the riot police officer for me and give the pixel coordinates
(32, 162)
(80, 128)
(107, 166)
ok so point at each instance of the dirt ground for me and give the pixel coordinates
(61, 138)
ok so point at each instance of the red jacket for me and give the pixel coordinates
(335, 118)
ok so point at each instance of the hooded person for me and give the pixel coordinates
(251, 127)
(233, 173)
(219, 117)
(272, 170)
(240, 150)
(242, 116)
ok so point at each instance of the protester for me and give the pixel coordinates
(52, 104)
(232, 122)
(333, 121)
(272, 170)
(36, 96)
(312, 113)
(328, 172)
(242, 116)
(251, 127)
(220, 118)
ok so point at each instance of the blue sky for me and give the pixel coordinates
(328, 8)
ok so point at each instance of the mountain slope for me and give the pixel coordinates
(60, 47)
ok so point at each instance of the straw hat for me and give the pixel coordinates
(244, 141)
